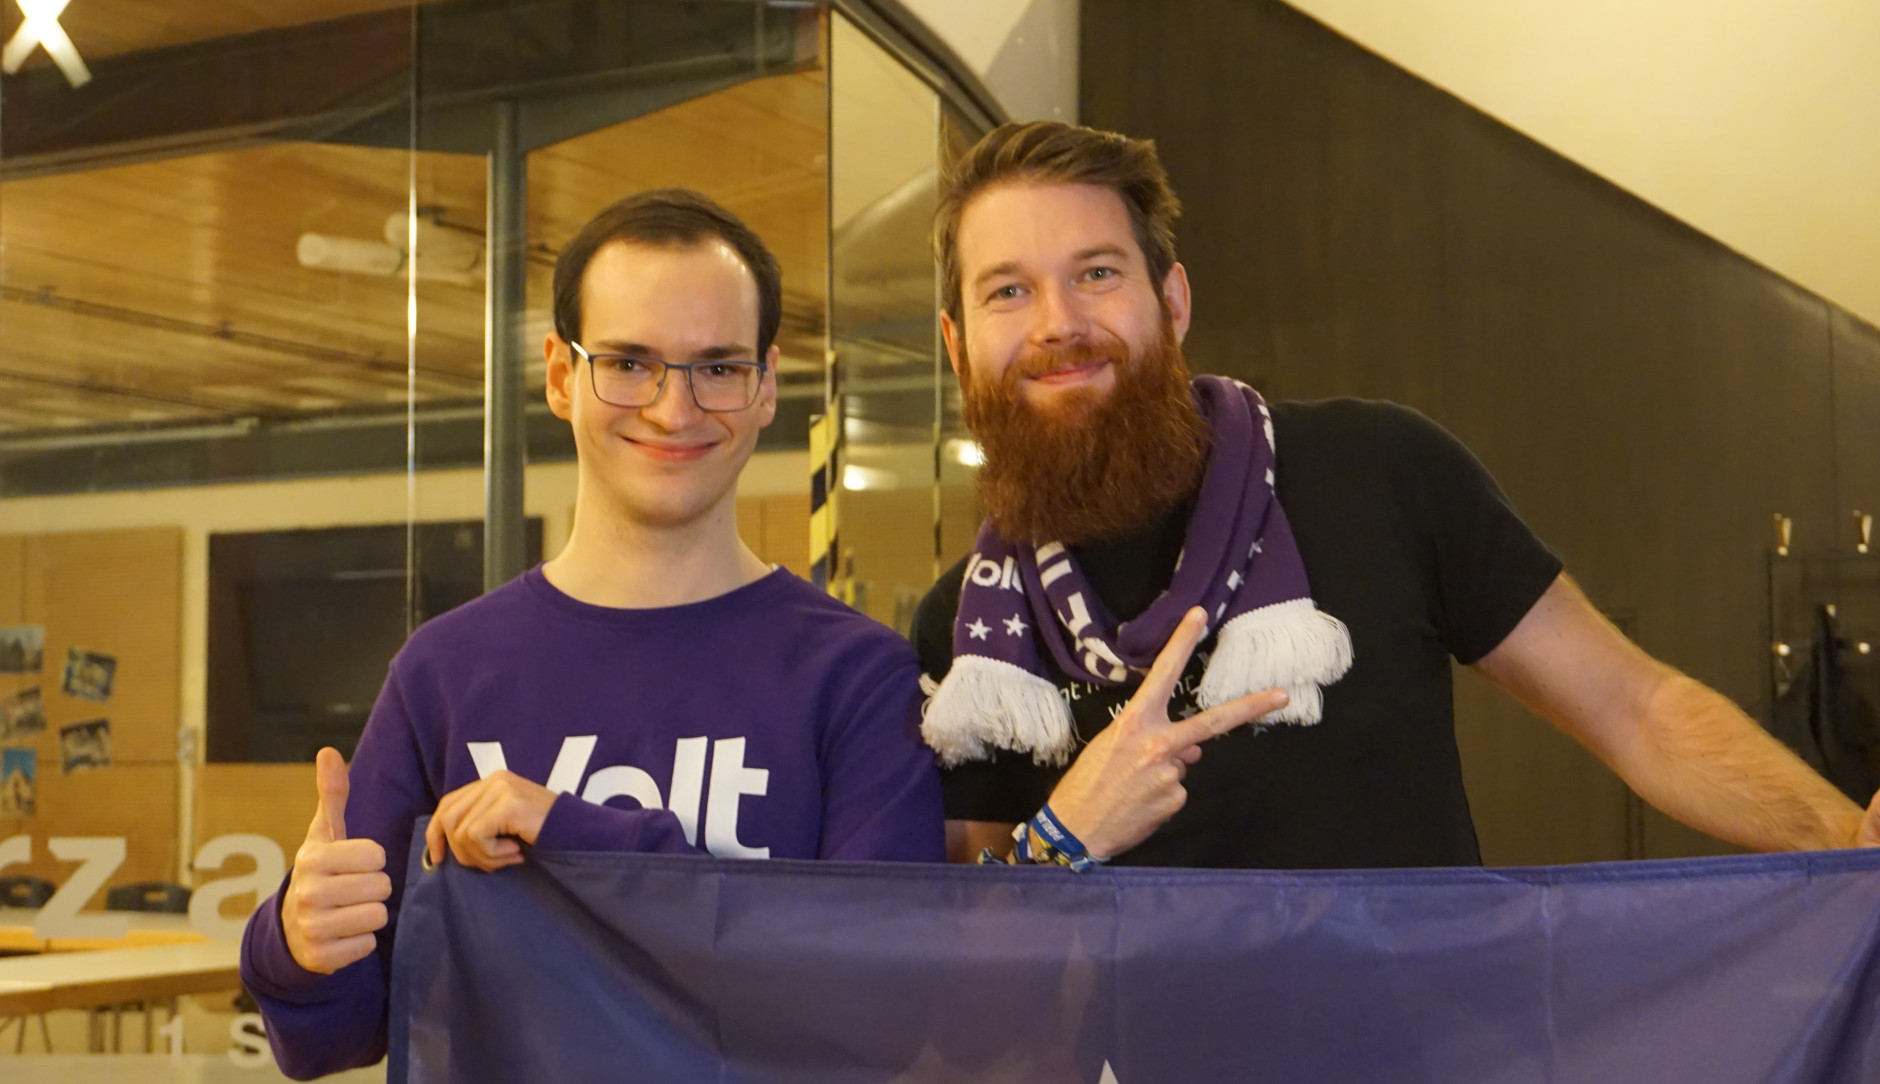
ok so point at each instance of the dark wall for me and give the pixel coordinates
(1648, 398)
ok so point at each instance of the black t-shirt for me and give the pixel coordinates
(1409, 542)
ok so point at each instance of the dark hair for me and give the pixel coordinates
(667, 218)
(1052, 152)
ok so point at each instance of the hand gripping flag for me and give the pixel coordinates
(650, 968)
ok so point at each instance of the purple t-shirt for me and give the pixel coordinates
(772, 721)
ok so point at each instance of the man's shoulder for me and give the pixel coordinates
(932, 631)
(1359, 437)
(804, 606)
(1346, 419)
(491, 616)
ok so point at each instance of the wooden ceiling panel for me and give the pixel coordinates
(175, 283)
(101, 28)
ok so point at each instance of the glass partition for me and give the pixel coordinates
(274, 282)
(883, 148)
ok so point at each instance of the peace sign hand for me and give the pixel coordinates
(1128, 781)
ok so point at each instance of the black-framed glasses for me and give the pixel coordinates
(625, 380)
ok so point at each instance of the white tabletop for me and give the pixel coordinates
(78, 980)
(154, 1069)
(141, 928)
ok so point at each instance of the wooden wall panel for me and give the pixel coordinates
(1856, 426)
(272, 800)
(889, 535)
(1670, 398)
(1647, 398)
(750, 524)
(959, 523)
(136, 802)
(12, 583)
(119, 592)
(786, 532)
(1312, 229)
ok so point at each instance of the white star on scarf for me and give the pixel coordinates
(1015, 626)
(979, 629)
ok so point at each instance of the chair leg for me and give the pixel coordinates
(19, 1041)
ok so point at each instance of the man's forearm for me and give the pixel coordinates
(1701, 761)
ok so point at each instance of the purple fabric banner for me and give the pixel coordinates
(652, 968)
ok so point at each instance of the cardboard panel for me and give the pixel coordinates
(272, 800)
(136, 802)
(786, 532)
(118, 593)
(751, 524)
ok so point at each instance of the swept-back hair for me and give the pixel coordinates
(674, 218)
(1051, 152)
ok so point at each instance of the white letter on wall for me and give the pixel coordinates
(205, 904)
(59, 918)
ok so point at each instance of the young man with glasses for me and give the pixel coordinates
(654, 687)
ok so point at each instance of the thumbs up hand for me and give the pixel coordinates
(1128, 781)
(335, 901)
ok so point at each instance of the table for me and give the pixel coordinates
(149, 1068)
(145, 928)
(110, 977)
(81, 980)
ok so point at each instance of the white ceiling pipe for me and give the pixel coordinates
(442, 252)
(325, 253)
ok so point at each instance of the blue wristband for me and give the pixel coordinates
(1021, 843)
(1069, 849)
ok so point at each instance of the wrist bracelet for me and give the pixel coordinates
(1021, 844)
(1060, 846)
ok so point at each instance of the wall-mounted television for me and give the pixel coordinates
(302, 625)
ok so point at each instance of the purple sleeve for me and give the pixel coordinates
(303, 1009)
(319, 1024)
(577, 825)
(881, 797)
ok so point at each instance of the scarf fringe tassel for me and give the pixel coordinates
(989, 702)
(1290, 645)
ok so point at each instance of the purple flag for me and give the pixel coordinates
(652, 968)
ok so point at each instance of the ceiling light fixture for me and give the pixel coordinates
(966, 453)
(443, 254)
(855, 476)
(42, 28)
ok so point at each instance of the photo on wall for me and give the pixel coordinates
(89, 674)
(85, 745)
(19, 782)
(22, 715)
(22, 649)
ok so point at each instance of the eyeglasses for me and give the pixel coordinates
(717, 386)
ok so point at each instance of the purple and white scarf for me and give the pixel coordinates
(1239, 562)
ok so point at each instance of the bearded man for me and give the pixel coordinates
(1328, 559)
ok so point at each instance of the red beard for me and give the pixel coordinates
(1091, 466)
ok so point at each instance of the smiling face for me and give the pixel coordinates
(1070, 366)
(1054, 287)
(667, 464)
